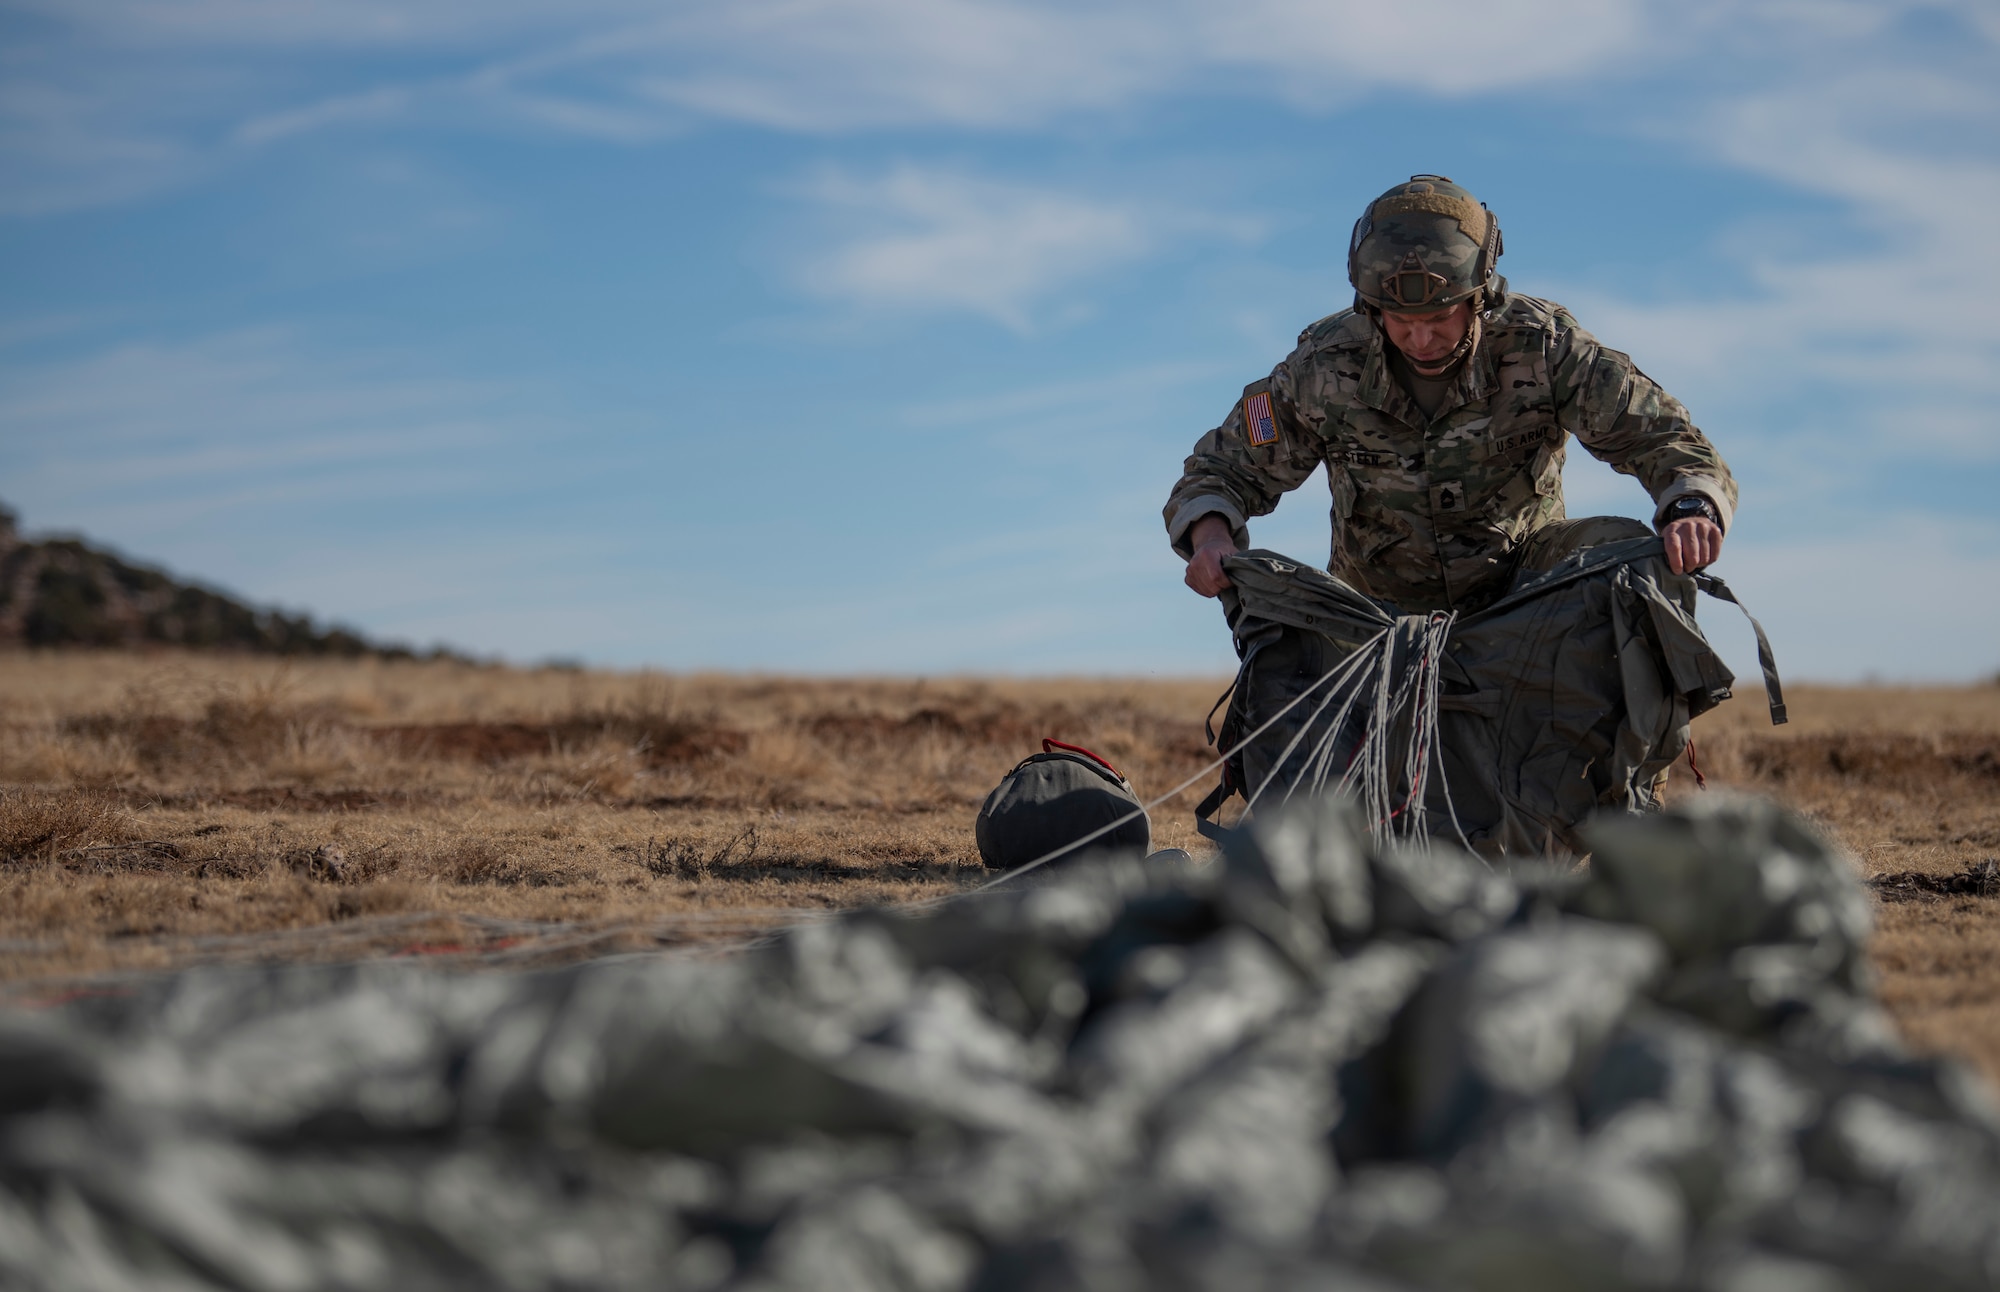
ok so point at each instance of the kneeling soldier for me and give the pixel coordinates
(1440, 405)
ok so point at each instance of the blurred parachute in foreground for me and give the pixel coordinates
(1322, 1062)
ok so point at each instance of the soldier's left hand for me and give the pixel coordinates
(1693, 543)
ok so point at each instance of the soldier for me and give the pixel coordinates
(1440, 405)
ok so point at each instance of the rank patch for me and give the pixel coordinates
(1258, 424)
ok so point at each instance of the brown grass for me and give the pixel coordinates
(166, 809)
(161, 809)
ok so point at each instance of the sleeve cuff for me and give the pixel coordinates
(1207, 504)
(1701, 486)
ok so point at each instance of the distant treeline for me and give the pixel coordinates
(62, 592)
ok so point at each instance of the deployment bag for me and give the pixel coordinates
(1053, 802)
(1569, 695)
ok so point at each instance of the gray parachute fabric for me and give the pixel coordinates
(1508, 727)
(1056, 805)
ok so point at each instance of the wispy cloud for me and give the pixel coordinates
(922, 238)
(106, 100)
(1900, 321)
(367, 105)
(819, 66)
(241, 420)
(1101, 392)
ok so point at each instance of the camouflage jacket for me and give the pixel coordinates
(1428, 514)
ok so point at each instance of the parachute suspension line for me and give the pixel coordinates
(1433, 686)
(1389, 699)
(1426, 747)
(1368, 775)
(1331, 675)
(1349, 678)
(1319, 766)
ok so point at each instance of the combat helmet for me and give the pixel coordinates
(1425, 245)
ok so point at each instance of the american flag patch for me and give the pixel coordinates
(1258, 423)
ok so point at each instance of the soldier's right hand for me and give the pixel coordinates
(1210, 541)
(1204, 569)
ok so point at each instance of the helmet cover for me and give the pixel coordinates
(1424, 245)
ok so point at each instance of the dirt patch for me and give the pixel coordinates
(849, 730)
(1885, 761)
(658, 744)
(228, 729)
(481, 861)
(1982, 880)
(332, 863)
(289, 798)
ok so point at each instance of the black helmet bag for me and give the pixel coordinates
(1052, 802)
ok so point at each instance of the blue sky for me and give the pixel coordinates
(868, 335)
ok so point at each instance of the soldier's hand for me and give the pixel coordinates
(1211, 541)
(1692, 544)
(1204, 570)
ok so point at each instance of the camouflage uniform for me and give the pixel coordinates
(1434, 514)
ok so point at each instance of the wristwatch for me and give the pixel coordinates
(1690, 504)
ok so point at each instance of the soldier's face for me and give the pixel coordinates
(1428, 338)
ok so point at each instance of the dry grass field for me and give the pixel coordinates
(166, 809)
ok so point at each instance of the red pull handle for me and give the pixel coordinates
(1050, 744)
